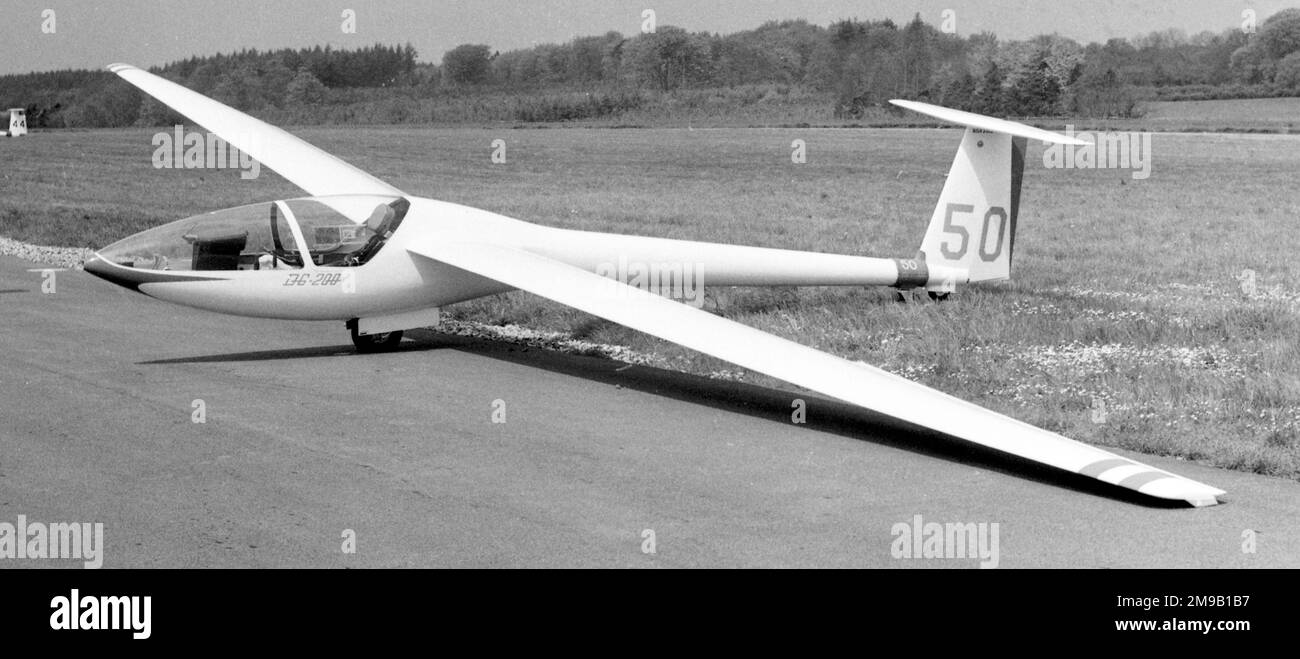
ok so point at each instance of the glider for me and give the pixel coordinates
(361, 251)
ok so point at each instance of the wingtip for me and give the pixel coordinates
(118, 67)
(1175, 487)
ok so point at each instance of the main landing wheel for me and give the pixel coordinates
(938, 297)
(368, 343)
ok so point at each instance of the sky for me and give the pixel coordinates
(95, 33)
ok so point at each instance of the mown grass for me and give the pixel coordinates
(1239, 114)
(1126, 324)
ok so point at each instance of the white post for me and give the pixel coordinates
(17, 122)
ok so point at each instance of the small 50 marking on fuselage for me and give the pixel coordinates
(314, 279)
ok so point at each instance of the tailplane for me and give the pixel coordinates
(973, 227)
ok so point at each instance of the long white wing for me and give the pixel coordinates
(853, 382)
(304, 165)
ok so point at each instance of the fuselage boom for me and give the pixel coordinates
(396, 280)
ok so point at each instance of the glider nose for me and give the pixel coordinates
(95, 265)
(111, 272)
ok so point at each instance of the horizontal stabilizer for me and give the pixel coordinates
(981, 122)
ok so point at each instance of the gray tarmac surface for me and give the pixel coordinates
(304, 439)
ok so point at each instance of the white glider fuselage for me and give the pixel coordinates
(397, 280)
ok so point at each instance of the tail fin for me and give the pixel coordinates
(974, 224)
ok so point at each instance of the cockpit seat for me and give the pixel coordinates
(220, 252)
(382, 214)
(381, 224)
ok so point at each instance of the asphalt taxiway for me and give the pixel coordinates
(304, 440)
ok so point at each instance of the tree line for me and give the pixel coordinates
(848, 68)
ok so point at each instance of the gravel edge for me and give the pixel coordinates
(61, 257)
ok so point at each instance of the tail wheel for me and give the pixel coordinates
(367, 343)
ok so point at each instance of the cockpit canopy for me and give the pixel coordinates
(336, 231)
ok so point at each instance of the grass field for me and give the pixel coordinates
(1250, 114)
(1127, 323)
